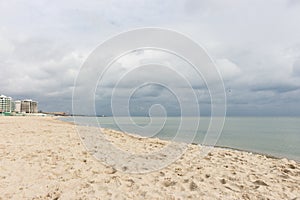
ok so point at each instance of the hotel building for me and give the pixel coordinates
(18, 106)
(26, 106)
(5, 104)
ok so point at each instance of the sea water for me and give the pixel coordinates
(276, 136)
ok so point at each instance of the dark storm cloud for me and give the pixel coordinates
(148, 91)
(277, 88)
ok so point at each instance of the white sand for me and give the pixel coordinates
(43, 158)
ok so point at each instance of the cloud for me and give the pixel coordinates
(6, 48)
(293, 3)
(255, 45)
(228, 69)
(296, 67)
(278, 88)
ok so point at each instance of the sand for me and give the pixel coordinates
(43, 158)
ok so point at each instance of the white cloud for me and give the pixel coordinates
(296, 67)
(255, 43)
(6, 48)
(228, 69)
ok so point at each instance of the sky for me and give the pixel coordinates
(255, 45)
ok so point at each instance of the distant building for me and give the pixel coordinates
(13, 106)
(34, 107)
(18, 106)
(5, 104)
(28, 106)
(25, 106)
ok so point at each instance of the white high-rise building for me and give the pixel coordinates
(5, 104)
(18, 106)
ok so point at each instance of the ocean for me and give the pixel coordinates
(275, 136)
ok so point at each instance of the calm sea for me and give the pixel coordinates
(277, 136)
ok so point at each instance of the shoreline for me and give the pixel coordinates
(43, 158)
(268, 155)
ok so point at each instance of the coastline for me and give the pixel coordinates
(268, 155)
(43, 158)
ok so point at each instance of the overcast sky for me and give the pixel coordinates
(255, 45)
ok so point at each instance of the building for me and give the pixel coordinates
(12, 108)
(33, 107)
(28, 106)
(18, 106)
(25, 106)
(5, 104)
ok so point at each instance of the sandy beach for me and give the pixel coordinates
(43, 158)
